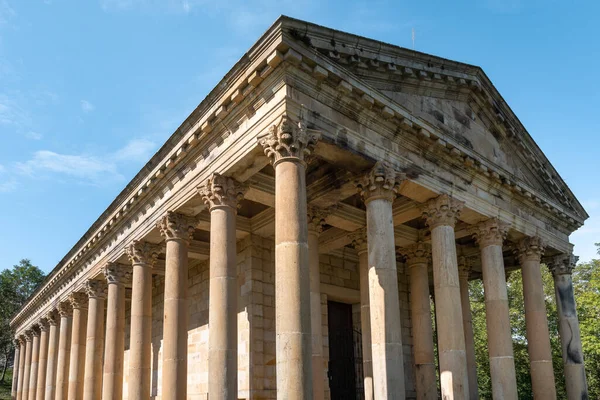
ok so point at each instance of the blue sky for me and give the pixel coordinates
(90, 89)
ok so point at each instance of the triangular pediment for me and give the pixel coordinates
(457, 99)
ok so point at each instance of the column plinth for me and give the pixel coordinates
(22, 351)
(529, 252)
(51, 364)
(441, 214)
(94, 347)
(42, 360)
(79, 302)
(222, 195)
(64, 350)
(287, 144)
(359, 241)
(177, 229)
(117, 275)
(489, 235)
(142, 255)
(417, 261)
(378, 189)
(568, 326)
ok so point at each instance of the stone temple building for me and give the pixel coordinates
(288, 238)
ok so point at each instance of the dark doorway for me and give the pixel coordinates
(342, 381)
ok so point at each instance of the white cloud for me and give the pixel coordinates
(6, 12)
(34, 135)
(137, 150)
(86, 106)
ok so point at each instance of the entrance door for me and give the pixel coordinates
(341, 373)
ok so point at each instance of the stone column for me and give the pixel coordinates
(378, 189)
(359, 241)
(142, 255)
(22, 352)
(42, 360)
(64, 350)
(463, 276)
(177, 230)
(35, 355)
(94, 346)
(441, 214)
(51, 364)
(27, 370)
(316, 220)
(568, 326)
(417, 260)
(79, 302)
(222, 195)
(530, 251)
(490, 234)
(15, 378)
(117, 275)
(287, 145)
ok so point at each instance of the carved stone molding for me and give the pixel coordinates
(530, 249)
(175, 226)
(418, 253)
(222, 191)
(44, 324)
(95, 289)
(359, 239)
(53, 317)
(118, 274)
(288, 140)
(65, 309)
(442, 211)
(381, 182)
(79, 300)
(490, 233)
(562, 264)
(142, 252)
(316, 218)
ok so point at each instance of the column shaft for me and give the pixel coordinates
(15, 378)
(422, 331)
(365, 319)
(94, 347)
(22, 351)
(78, 338)
(51, 364)
(292, 283)
(114, 351)
(469, 337)
(142, 256)
(318, 368)
(26, 374)
(490, 235)
(64, 352)
(538, 338)
(568, 328)
(35, 354)
(42, 361)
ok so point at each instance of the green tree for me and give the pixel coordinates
(16, 285)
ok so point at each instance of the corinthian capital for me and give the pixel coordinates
(288, 140)
(53, 317)
(490, 233)
(562, 264)
(381, 182)
(95, 289)
(142, 252)
(359, 239)
(44, 325)
(418, 253)
(222, 191)
(442, 211)
(176, 226)
(79, 300)
(65, 309)
(530, 249)
(316, 218)
(119, 274)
